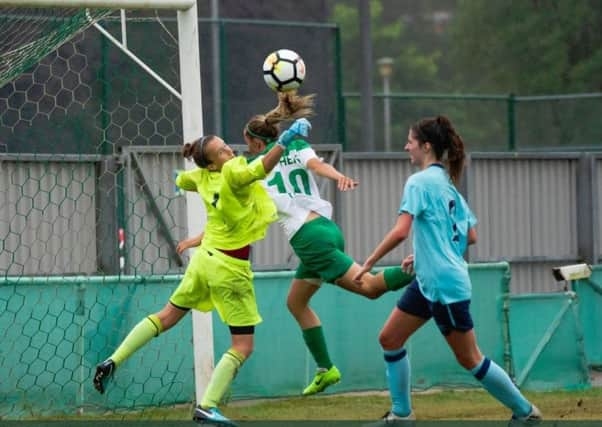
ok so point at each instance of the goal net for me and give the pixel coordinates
(93, 112)
(91, 123)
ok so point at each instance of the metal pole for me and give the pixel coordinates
(124, 32)
(367, 109)
(387, 112)
(216, 68)
(511, 123)
(385, 69)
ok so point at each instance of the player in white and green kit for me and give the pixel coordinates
(315, 238)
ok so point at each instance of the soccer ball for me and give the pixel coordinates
(283, 70)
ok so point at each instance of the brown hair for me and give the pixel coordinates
(290, 106)
(196, 151)
(440, 133)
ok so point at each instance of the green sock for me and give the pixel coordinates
(396, 278)
(315, 342)
(222, 377)
(143, 332)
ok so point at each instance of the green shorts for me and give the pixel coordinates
(215, 280)
(320, 246)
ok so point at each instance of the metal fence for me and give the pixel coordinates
(486, 122)
(535, 211)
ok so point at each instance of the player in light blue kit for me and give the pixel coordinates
(443, 227)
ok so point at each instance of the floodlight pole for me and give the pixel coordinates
(366, 93)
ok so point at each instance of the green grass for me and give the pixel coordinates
(438, 405)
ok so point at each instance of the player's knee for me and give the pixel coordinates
(386, 341)
(293, 305)
(467, 361)
(167, 322)
(373, 293)
(247, 351)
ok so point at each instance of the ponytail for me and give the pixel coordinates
(187, 150)
(455, 149)
(440, 133)
(196, 151)
(290, 106)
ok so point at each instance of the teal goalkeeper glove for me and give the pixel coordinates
(299, 127)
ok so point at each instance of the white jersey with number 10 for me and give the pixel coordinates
(293, 188)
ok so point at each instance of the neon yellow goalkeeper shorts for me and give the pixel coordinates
(216, 280)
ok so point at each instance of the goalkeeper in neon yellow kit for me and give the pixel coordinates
(219, 275)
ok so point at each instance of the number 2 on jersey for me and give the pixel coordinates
(452, 214)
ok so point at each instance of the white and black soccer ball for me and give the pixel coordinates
(283, 70)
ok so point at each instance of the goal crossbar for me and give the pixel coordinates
(109, 4)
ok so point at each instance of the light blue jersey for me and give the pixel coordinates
(441, 222)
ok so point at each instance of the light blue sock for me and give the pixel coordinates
(398, 377)
(497, 382)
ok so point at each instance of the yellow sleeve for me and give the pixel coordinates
(185, 180)
(238, 173)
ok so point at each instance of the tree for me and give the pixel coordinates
(414, 69)
(528, 47)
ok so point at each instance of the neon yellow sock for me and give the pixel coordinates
(223, 375)
(143, 332)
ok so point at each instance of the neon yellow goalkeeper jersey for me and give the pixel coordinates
(239, 209)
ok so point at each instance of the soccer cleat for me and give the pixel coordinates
(392, 419)
(324, 378)
(211, 416)
(104, 371)
(533, 418)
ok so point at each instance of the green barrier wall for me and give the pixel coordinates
(547, 341)
(433, 362)
(282, 366)
(55, 330)
(590, 312)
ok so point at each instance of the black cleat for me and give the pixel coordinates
(104, 371)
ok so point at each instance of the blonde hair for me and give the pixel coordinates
(290, 106)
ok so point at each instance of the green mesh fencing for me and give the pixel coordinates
(89, 142)
(244, 94)
(89, 146)
(55, 330)
(547, 341)
(589, 293)
(486, 122)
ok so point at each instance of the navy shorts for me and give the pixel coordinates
(454, 316)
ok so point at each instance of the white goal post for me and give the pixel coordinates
(192, 128)
(109, 4)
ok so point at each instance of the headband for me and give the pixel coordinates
(254, 135)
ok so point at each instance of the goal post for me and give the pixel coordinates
(191, 121)
(109, 4)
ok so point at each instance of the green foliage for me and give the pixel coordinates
(413, 68)
(528, 47)
(525, 47)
